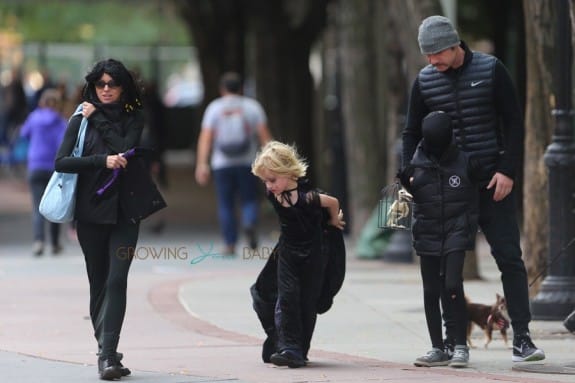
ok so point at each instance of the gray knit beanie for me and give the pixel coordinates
(436, 33)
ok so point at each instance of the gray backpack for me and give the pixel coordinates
(232, 133)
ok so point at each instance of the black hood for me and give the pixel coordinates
(437, 133)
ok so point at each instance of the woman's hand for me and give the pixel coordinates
(87, 109)
(116, 161)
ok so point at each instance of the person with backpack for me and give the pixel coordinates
(233, 129)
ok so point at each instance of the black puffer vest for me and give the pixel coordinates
(466, 95)
(445, 202)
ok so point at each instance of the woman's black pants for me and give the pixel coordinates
(108, 253)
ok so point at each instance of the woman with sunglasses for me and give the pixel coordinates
(107, 224)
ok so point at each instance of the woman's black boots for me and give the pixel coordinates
(112, 368)
(108, 368)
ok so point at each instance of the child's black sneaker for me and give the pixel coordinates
(268, 349)
(287, 358)
(524, 350)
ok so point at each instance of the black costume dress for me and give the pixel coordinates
(304, 272)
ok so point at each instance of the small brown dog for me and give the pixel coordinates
(489, 318)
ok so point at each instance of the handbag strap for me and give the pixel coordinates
(79, 146)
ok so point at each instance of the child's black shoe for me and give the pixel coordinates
(287, 358)
(268, 349)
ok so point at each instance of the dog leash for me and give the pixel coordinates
(553, 260)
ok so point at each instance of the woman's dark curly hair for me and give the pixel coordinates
(131, 91)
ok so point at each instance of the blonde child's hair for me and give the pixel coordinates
(281, 159)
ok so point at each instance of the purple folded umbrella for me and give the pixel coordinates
(115, 174)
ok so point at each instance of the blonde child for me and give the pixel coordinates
(300, 261)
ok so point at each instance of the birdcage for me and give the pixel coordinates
(395, 208)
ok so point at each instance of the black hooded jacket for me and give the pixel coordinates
(445, 197)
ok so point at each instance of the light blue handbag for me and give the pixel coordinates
(59, 198)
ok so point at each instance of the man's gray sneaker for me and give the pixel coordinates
(524, 350)
(434, 357)
(460, 357)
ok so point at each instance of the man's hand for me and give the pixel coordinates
(202, 174)
(503, 186)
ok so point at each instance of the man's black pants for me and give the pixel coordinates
(498, 222)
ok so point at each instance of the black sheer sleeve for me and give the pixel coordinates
(312, 199)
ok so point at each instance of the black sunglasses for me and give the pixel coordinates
(101, 84)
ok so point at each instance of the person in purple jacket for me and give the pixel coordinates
(44, 128)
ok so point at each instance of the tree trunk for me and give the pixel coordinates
(572, 8)
(364, 134)
(283, 35)
(330, 138)
(539, 128)
(284, 86)
(276, 37)
(379, 60)
(402, 64)
(217, 28)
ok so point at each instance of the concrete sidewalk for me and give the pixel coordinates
(189, 316)
(378, 316)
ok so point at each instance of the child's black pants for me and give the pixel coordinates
(442, 281)
(300, 279)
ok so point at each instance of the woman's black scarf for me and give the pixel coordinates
(112, 111)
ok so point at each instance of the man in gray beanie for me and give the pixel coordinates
(436, 33)
(476, 91)
(439, 41)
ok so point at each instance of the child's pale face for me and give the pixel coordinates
(277, 183)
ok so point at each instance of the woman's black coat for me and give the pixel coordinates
(134, 194)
